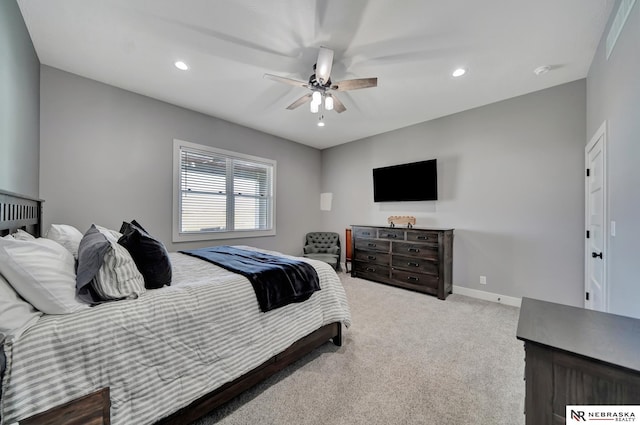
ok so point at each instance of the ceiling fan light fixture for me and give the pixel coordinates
(328, 102)
(316, 98)
(459, 72)
(321, 121)
(320, 95)
(181, 65)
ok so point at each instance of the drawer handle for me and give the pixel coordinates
(413, 264)
(413, 249)
(371, 257)
(371, 244)
(413, 279)
(422, 238)
(366, 233)
(371, 269)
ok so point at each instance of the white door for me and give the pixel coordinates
(596, 223)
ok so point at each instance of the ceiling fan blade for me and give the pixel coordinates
(291, 81)
(205, 40)
(358, 83)
(304, 99)
(324, 64)
(337, 105)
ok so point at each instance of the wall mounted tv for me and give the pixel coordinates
(416, 181)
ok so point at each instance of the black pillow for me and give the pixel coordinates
(93, 247)
(149, 254)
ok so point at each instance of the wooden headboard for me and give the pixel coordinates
(20, 212)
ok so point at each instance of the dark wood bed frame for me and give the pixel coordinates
(218, 397)
(23, 212)
(20, 212)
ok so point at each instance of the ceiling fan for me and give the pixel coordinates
(321, 85)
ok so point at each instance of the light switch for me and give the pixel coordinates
(613, 228)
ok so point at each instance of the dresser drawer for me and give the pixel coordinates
(414, 265)
(372, 257)
(372, 271)
(372, 245)
(365, 232)
(415, 236)
(393, 234)
(422, 250)
(428, 281)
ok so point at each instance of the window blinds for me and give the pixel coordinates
(220, 192)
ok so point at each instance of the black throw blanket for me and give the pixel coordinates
(277, 281)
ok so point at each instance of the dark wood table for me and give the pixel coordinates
(576, 356)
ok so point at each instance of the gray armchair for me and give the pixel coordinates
(323, 246)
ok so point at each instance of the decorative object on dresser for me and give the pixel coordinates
(410, 221)
(420, 259)
(575, 356)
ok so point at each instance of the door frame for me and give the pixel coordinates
(601, 132)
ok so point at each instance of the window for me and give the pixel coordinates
(220, 194)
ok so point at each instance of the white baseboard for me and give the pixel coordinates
(487, 296)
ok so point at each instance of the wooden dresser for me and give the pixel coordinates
(420, 259)
(576, 356)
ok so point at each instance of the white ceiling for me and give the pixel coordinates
(412, 46)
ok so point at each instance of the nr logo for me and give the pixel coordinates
(577, 415)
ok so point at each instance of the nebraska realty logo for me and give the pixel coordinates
(579, 414)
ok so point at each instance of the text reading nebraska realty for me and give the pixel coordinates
(579, 414)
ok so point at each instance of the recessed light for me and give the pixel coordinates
(459, 72)
(542, 70)
(181, 65)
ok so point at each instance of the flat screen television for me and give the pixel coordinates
(416, 181)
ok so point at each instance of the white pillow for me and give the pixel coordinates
(21, 235)
(111, 235)
(42, 272)
(16, 315)
(67, 236)
(118, 277)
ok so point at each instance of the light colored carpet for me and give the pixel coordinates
(408, 358)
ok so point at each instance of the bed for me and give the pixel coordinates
(168, 356)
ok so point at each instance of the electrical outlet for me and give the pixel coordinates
(483, 280)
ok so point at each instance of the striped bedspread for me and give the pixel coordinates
(163, 350)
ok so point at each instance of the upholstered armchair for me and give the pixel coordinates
(323, 246)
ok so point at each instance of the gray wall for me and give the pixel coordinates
(613, 94)
(19, 104)
(510, 181)
(106, 156)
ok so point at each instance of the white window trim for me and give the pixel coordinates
(203, 236)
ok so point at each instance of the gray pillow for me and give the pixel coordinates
(91, 252)
(118, 278)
